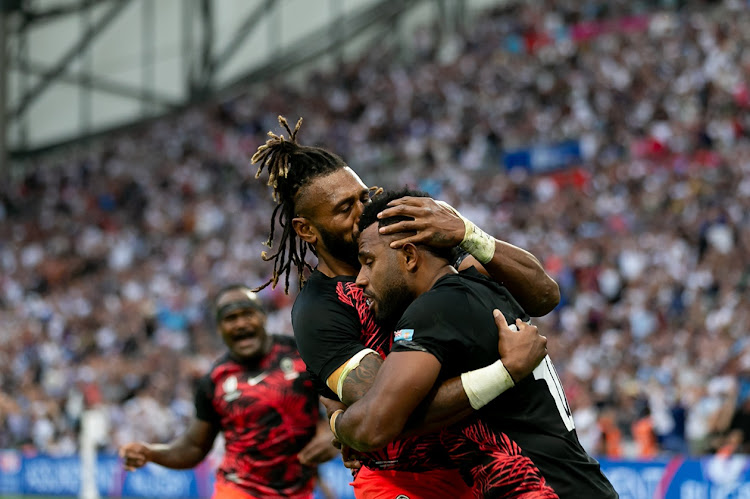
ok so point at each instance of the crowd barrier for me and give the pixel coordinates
(711, 477)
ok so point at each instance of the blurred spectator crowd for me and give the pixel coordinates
(111, 251)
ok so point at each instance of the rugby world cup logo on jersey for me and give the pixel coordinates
(403, 335)
(230, 389)
(287, 367)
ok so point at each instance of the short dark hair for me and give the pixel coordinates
(380, 202)
(252, 299)
(230, 287)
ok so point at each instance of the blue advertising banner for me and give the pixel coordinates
(635, 479)
(10, 472)
(710, 477)
(157, 482)
(544, 158)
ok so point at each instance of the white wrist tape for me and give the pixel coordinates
(477, 242)
(483, 385)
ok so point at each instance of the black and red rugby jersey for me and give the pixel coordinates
(268, 411)
(332, 323)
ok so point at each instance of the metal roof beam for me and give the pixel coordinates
(32, 17)
(86, 38)
(320, 42)
(98, 83)
(240, 34)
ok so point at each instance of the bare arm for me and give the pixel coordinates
(521, 351)
(523, 275)
(382, 413)
(186, 451)
(438, 224)
(444, 406)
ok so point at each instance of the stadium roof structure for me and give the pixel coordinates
(78, 68)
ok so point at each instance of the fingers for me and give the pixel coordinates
(349, 458)
(405, 211)
(408, 201)
(410, 206)
(522, 326)
(499, 319)
(403, 226)
(133, 456)
(132, 463)
(353, 464)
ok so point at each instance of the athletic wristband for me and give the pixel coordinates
(483, 385)
(477, 242)
(335, 414)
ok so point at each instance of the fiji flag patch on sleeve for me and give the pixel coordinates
(403, 335)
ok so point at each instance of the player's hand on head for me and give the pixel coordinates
(134, 455)
(521, 347)
(436, 223)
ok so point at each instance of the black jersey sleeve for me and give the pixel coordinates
(327, 333)
(458, 256)
(430, 324)
(204, 407)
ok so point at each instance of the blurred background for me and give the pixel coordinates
(609, 138)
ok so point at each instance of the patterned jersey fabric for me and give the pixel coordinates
(268, 411)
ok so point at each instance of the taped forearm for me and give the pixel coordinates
(478, 243)
(515, 268)
(483, 385)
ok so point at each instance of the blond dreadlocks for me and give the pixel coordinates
(290, 166)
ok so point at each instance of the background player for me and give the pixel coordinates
(320, 200)
(260, 396)
(442, 331)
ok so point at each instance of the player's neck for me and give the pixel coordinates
(431, 276)
(333, 267)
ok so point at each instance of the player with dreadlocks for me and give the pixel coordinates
(277, 155)
(320, 200)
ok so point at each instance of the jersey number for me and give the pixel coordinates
(546, 371)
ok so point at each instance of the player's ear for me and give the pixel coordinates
(410, 255)
(304, 230)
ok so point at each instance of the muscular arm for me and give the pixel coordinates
(438, 224)
(438, 407)
(523, 275)
(186, 451)
(381, 415)
(442, 406)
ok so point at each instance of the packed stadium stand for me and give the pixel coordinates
(611, 139)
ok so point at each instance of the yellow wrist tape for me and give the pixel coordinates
(478, 243)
